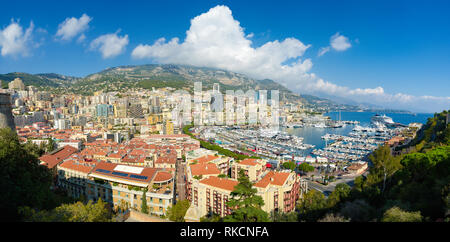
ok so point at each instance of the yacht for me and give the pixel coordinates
(320, 125)
(382, 119)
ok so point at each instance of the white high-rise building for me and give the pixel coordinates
(216, 88)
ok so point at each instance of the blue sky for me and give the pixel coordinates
(402, 47)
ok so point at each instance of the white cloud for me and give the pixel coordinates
(81, 38)
(72, 27)
(337, 42)
(110, 45)
(340, 42)
(323, 50)
(14, 41)
(216, 39)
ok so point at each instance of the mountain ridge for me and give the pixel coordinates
(168, 75)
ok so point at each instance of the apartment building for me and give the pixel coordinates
(73, 175)
(210, 195)
(253, 168)
(122, 184)
(222, 162)
(280, 190)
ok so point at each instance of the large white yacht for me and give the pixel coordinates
(382, 119)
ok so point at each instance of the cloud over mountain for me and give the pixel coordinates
(110, 45)
(216, 39)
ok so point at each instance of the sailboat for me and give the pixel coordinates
(339, 124)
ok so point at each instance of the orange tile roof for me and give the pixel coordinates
(221, 183)
(249, 162)
(204, 169)
(274, 178)
(115, 155)
(162, 176)
(168, 159)
(206, 159)
(163, 136)
(78, 164)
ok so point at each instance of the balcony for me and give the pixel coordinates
(165, 189)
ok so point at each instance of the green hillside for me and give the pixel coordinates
(150, 76)
(410, 187)
(38, 80)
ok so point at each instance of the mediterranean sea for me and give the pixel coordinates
(312, 135)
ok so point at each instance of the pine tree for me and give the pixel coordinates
(245, 203)
(144, 207)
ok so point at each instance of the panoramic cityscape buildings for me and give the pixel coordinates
(229, 124)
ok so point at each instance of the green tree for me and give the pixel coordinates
(34, 149)
(289, 165)
(312, 206)
(340, 193)
(245, 204)
(77, 212)
(384, 165)
(358, 211)
(283, 217)
(358, 184)
(395, 214)
(305, 167)
(178, 211)
(50, 146)
(331, 217)
(23, 182)
(211, 217)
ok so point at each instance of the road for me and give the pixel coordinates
(326, 190)
(181, 181)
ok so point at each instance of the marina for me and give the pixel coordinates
(317, 139)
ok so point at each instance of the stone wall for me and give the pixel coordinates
(6, 117)
(142, 217)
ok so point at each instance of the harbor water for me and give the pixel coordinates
(312, 135)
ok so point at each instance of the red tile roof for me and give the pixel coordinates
(249, 162)
(274, 178)
(51, 160)
(165, 136)
(221, 183)
(77, 164)
(206, 159)
(115, 155)
(166, 159)
(204, 169)
(162, 176)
